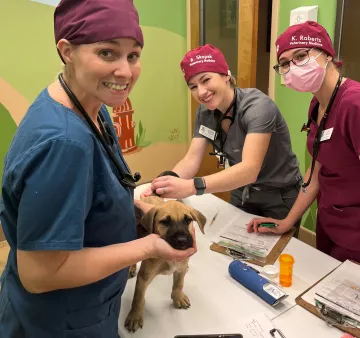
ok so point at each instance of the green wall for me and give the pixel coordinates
(7, 128)
(165, 14)
(29, 62)
(294, 105)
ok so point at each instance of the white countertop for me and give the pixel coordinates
(217, 301)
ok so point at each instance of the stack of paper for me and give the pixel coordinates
(340, 293)
(235, 236)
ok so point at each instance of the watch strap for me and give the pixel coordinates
(200, 185)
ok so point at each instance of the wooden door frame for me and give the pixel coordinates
(273, 59)
(193, 41)
(248, 13)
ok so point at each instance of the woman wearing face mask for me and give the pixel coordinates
(246, 128)
(306, 60)
(67, 205)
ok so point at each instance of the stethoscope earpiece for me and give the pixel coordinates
(137, 176)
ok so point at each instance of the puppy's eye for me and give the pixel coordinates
(166, 221)
(187, 219)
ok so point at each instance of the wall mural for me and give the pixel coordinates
(151, 125)
(125, 129)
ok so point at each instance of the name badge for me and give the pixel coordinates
(207, 132)
(326, 134)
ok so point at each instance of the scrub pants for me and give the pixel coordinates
(266, 201)
(326, 245)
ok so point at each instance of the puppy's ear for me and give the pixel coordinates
(138, 214)
(147, 221)
(140, 230)
(199, 218)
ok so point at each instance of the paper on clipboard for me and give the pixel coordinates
(235, 236)
(340, 290)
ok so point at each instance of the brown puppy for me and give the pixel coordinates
(173, 221)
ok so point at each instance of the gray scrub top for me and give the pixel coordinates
(256, 113)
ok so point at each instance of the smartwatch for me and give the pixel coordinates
(200, 185)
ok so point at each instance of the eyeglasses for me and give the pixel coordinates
(300, 59)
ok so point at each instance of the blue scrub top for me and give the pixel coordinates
(60, 192)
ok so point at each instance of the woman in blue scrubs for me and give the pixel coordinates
(67, 206)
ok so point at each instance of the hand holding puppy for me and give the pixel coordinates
(159, 248)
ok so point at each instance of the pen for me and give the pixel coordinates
(214, 218)
(268, 225)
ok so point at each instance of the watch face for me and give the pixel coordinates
(199, 183)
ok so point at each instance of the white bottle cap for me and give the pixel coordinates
(270, 271)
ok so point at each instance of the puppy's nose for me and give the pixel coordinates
(180, 241)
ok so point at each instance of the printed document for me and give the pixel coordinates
(340, 290)
(235, 236)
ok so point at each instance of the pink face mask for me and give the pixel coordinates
(306, 78)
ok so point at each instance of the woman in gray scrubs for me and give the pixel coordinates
(246, 128)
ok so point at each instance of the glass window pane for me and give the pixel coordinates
(220, 28)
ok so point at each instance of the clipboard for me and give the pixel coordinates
(312, 308)
(271, 257)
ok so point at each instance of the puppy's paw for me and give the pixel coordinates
(132, 271)
(180, 300)
(134, 321)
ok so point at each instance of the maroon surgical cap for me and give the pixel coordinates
(206, 58)
(90, 21)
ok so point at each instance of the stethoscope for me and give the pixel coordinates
(316, 144)
(125, 178)
(219, 132)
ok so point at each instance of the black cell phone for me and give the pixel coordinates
(225, 335)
